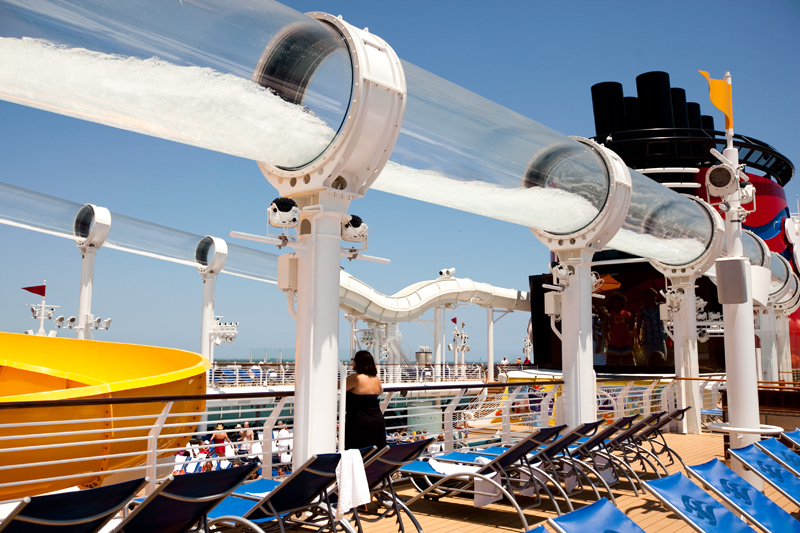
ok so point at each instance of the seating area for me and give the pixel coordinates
(651, 493)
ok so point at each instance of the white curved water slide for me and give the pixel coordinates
(203, 82)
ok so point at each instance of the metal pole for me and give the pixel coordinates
(686, 364)
(438, 346)
(784, 348)
(318, 328)
(769, 345)
(85, 297)
(740, 347)
(207, 319)
(490, 343)
(578, 401)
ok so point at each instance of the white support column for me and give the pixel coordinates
(740, 348)
(318, 329)
(769, 345)
(376, 343)
(686, 365)
(438, 345)
(578, 400)
(784, 347)
(490, 343)
(85, 297)
(207, 320)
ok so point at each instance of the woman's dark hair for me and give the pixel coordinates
(363, 363)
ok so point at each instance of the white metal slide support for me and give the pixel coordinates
(490, 344)
(85, 317)
(385, 402)
(578, 399)
(342, 403)
(619, 403)
(267, 442)
(152, 447)
(318, 329)
(769, 345)
(448, 421)
(686, 363)
(506, 425)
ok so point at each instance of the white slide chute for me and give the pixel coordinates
(365, 303)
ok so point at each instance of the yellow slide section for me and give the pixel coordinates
(42, 368)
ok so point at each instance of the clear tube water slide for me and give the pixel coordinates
(196, 72)
(46, 214)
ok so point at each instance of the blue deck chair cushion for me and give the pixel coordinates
(92, 507)
(695, 506)
(185, 500)
(783, 454)
(770, 470)
(296, 491)
(759, 509)
(793, 436)
(601, 516)
(260, 486)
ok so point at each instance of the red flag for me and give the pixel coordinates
(454, 320)
(39, 289)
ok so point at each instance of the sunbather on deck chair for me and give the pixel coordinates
(83, 511)
(697, 508)
(738, 493)
(499, 477)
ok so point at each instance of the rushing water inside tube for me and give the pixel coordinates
(192, 84)
(191, 105)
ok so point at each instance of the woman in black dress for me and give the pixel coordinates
(364, 423)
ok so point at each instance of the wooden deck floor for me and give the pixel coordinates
(457, 514)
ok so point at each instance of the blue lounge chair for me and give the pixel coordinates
(782, 454)
(379, 470)
(793, 437)
(500, 468)
(696, 507)
(85, 511)
(769, 470)
(591, 454)
(306, 489)
(602, 515)
(757, 508)
(181, 502)
(552, 458)
(654, 438)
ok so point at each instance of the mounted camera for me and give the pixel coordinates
(355, 230)
(283, 213)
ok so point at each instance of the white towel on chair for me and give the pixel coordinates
(351, 481)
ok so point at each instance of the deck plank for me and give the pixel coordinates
(457, 514)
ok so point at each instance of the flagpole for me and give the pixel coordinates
(729, 130)
(41, 332)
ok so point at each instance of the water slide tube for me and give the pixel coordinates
(46, 368)
(265, 82)
(365, 303)
(27, 209)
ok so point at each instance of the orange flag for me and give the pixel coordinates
(721, 95)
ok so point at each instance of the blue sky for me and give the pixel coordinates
(536, 58)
